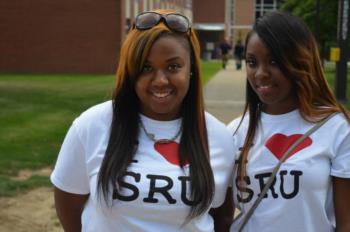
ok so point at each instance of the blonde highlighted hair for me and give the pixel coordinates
(125, 124)
(295, 49)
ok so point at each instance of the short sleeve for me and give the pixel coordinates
(341, 161)
(70, 173)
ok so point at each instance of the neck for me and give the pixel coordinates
(152, 136)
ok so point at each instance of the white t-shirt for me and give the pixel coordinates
(156, 190)
(300, 199)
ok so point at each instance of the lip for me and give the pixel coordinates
(264, 89)
(161, 96)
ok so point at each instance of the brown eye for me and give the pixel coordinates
(174, 67)
(147, 68)
(250, 62)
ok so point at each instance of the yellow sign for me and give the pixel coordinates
(335, 54)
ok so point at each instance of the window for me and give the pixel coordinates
(264, 6)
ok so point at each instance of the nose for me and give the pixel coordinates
(262, 71)
(160, 78)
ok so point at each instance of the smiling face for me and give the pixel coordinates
(165, 78)
(273, 88)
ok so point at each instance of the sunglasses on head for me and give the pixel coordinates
(173, 21)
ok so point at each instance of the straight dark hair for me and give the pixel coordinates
(123, 140)
(295, 50)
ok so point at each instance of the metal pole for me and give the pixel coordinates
(317, 21)
(341, 65)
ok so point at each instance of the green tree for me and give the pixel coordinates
(327, 23)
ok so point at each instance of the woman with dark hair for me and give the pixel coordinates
(151, 159)
(287, 94)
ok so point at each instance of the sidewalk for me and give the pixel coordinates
(224, 94)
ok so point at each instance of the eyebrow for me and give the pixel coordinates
(173, 58)
(249, 54)
(268, 55)
(167, 60)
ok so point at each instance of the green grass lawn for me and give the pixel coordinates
(209, 69)
(36, 112)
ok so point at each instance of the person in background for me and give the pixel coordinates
(238, 53)
(151, 159)
(287, 94)
(225, 48)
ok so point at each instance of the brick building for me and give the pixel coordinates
(209, 23)
(232, 19)
(84, 36)
(62, 36)
(242, 13)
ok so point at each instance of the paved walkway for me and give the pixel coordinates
(224, 94)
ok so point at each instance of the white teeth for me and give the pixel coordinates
(161, 94)
(264, 86)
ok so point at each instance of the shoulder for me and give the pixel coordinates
(98, 111)
(216, 129)
(338, 120)
(97, 116)
(212, 123)
(218, 134)
(337, 125)
(221, 143)
(235, 123)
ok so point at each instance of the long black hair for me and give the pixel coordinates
(295, 50)
(125, 129)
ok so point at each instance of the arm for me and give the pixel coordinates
(223, 215)
(69, 208)
(341, 191)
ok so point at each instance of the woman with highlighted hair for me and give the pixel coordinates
(288, 100)
(151, 159)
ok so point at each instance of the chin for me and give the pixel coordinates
(164, 115)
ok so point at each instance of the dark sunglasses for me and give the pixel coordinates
(174, 21)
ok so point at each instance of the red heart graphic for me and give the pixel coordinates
(278, 144)
(170, 151)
